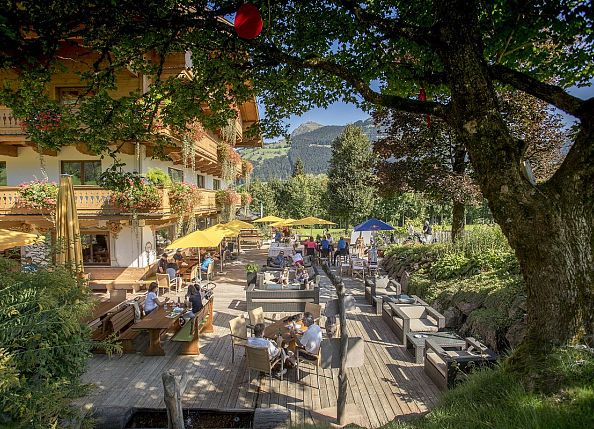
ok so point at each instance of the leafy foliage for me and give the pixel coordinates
(43, 344)
(351, 182)
(158, 177)
(38, 194)
(183, 197)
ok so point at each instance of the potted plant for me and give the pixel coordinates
(251, 271)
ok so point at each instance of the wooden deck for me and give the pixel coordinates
(389, 385)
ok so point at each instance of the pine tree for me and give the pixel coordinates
(351, 182)
(298, 168)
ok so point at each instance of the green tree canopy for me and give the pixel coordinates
(351, 181)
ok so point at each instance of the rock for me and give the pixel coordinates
(516, 332)
(272, 418)
(468, 307)
(453, 318)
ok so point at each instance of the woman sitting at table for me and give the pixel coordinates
(152, 302)
(206, 263)
(195, 298)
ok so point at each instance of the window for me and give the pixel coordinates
(82, 172)
(3, 179)
(176, 175)
(95, 249)
(216, 184)
(163, 238)
(71, 96)
(201, 181)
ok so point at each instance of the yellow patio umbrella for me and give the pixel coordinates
(286, 222)
(69, 251)
(198, 239)
(310, 221)
(266, 219)
(239, 224)
(225, 229)
(10, 239)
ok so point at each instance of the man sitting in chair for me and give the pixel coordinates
(311, 339)
(274, 350)
(206, 263)
(279, 261)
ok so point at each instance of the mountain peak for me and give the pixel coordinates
(306, 127)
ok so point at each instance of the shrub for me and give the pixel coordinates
(44, 346)
(158, 177)
(38, 194)
(140, 196)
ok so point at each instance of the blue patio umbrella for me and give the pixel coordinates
(373, 225)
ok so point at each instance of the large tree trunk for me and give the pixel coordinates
(459, 167)
(457, 219)
(550, 226)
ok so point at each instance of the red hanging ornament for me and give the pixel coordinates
(248, 21)
(423, 97)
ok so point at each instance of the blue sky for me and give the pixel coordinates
(341, 113)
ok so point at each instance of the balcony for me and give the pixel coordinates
(93, 201)
(9, 125)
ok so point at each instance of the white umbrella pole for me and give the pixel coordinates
(199, 267)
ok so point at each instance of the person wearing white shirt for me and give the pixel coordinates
(297, 259)
(312, 338)
(259, 341)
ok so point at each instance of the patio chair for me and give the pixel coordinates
(238, 327)
(165, 282)
(258, 359)
(257, 316)
(314, 309)
(344, 264)
(358, 268)
(304, 356)
(414, 318)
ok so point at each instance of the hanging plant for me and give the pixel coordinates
(229, 160)
(189, 152)
(140, 196)
(229, 132)
(246, 199)
(38, 195)
(183, 197)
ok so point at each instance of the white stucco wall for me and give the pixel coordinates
(130, 247)
(27, 166)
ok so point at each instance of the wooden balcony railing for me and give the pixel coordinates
(92, 201)
(9, 125)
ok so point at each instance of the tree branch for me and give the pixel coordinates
(552, 94)
(358, 84)
(390, 27)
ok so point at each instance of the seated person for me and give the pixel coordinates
(311, 339)
(283, 278)
(152, 302)
(195, 298)
(278, 236)
(279, 261)
(29, 266)
(297, 259)
(172, 271)
(206, 263)
(162, 264)
(258, 340)
(302, 275)
(178, 257)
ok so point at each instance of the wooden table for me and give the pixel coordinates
(155, 323)
(186, 270)
(416, 345)
(280, 327)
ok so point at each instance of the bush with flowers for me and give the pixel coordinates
(246, 199)
(141, 196)
(38, 194)
(183, 197)
(228, 197)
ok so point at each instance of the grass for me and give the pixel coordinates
(562, 397)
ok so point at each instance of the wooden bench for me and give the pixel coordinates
(189, 334)
(114, 324)
(129, 335)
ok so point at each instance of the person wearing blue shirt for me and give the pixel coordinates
(341, 248)
(278, 236)
(325, 247)
(206, 263)
(29, 266)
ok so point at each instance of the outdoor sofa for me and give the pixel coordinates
(405, 318)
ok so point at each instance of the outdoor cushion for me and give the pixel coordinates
(413, 311)
(273, 286)
(422, 325)
(437, 362)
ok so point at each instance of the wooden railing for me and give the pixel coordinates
(96, 201)
(9, 125)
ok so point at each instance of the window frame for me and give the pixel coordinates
(216, 184)
(108, 248)
(203, 177)
(82, 169)
(83, 92)
(4, 167)
(170, 169)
